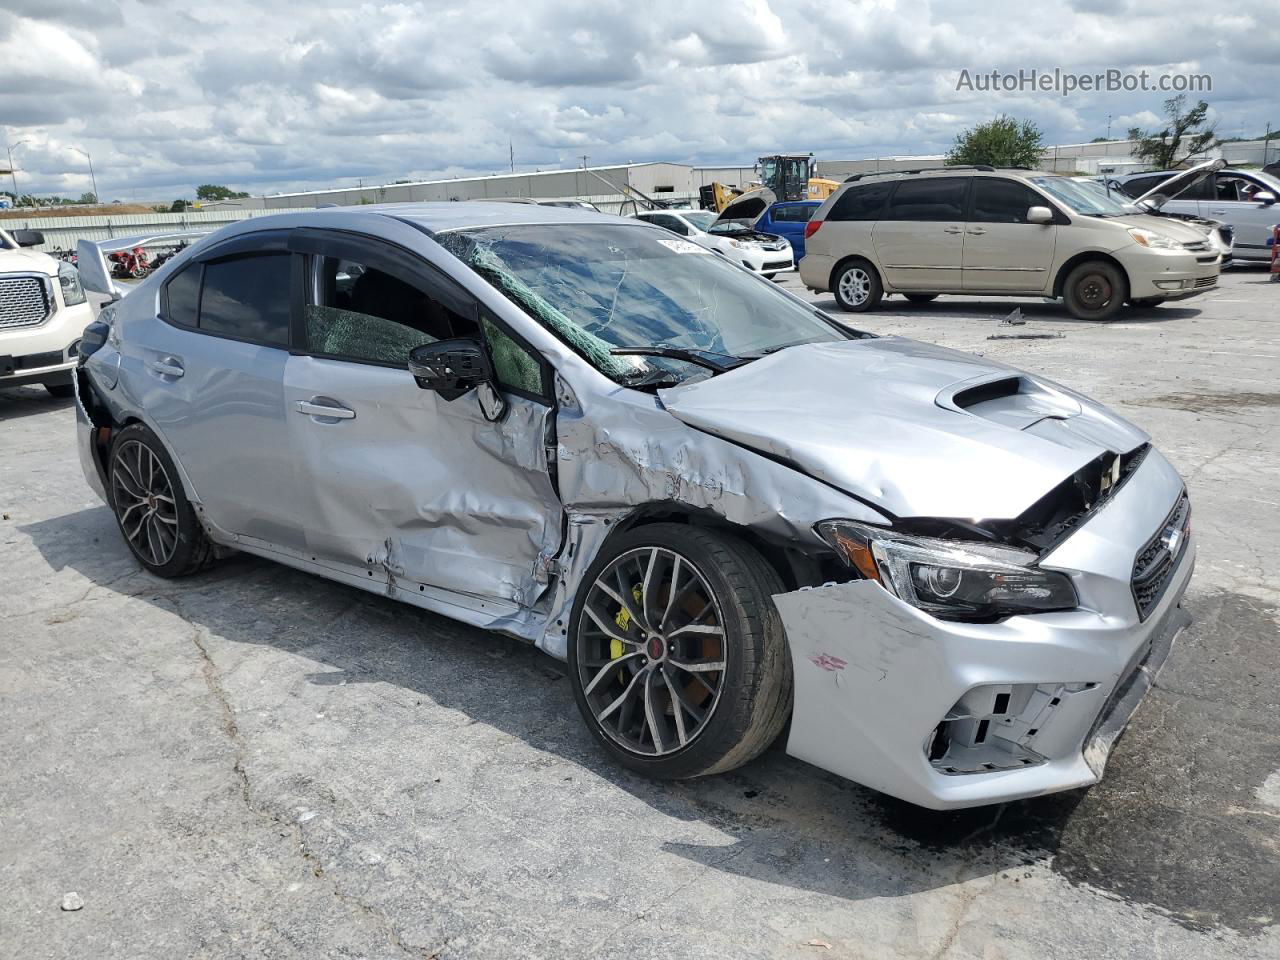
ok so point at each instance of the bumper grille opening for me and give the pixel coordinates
(993, 727)
(1157, 560)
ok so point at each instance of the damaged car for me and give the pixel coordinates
(731, 515)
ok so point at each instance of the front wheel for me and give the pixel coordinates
(857, 287)
(677, 655)
(153, 513)
(1095, 290)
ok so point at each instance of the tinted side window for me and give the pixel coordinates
(366, 314)
(929, 199)
(1003, 201)
(861, 203)
(182, 295)
(671, 223)
(248, 298)
(793, 212)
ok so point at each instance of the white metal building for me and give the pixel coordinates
(650, 178)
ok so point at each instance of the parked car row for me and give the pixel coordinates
(986, 231)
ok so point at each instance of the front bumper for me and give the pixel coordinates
(875, 677)
(766, 261)
(43, 353)
(1182, 276)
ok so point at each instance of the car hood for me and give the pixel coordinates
(749, 207)
(914, 429)
(1166, 190)
(25, 260)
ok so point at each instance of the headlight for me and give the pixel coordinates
(950, 578)
(1156, 241)
(69, 279)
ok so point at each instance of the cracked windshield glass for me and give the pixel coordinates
(604, 288)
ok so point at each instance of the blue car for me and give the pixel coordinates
(788, 219)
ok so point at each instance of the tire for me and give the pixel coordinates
(143, 482)
(921, 297)
(857, 287)
(63, 391)
(1095, 290)
(768, 276)
(727, 717)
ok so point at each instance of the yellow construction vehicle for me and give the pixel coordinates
(781, 177)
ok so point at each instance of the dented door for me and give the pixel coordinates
(405, 487)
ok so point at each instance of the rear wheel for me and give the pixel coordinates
(1095, 290)
(857, 287)
(920, 297)
(153, 513)
(677, 656)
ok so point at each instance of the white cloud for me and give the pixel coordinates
(269, 97)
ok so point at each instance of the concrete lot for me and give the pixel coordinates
(255, 763)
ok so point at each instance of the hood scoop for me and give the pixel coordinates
(1012, 401)
(914, 429)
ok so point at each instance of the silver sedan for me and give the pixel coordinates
(723, 508)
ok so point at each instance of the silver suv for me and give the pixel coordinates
(984, 231)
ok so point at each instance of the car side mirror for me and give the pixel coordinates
(1264, 197)
(1039, 215)
(27, 238)
(454, 367)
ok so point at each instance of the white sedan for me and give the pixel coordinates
(763, 253)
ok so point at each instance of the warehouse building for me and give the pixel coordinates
(655, 179)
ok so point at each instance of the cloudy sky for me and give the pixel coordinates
(269, 97)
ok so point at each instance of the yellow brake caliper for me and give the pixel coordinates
(623, 619)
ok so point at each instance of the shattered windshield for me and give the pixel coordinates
(1090, 203)
(605, 286)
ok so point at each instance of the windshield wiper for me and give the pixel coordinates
(699, 358)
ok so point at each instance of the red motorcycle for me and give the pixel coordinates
(127, 264)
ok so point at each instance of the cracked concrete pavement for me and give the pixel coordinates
(255, 763)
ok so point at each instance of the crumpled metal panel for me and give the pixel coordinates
(874, 676)
(621, 450)
(862, 415)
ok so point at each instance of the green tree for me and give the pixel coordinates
(88, 197)
(1186, 134)
(179, 205)
(214, 191)
(1002, 142)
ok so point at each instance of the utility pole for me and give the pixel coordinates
(12, 173)
(584, 161)
(1266, 145)
(511, 152)
(92, 178)
(1108, 126)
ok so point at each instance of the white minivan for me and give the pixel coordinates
(1008, 232)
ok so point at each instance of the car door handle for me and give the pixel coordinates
(977, 232)
(1217, 210)
(167, 367)
(953, 230)
(331, 410)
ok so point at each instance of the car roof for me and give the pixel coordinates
(448, 215)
